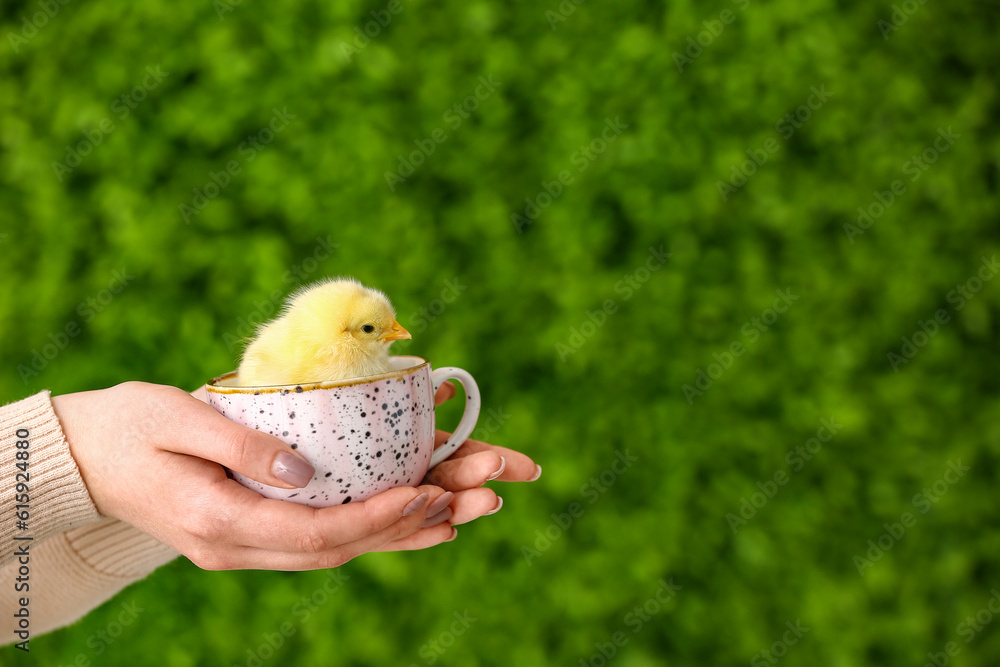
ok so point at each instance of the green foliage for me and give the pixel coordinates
(322, 179)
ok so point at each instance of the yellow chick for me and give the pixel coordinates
(332, 330)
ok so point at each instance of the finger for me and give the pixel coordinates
(467, 472)
(257, 455)
(445, 392)
(401, 537)
(249, 558)
(241, 516)
(440, 517)
(201, 394)
(474, 503)
(422, 539)
(519, 468)
(404, 527)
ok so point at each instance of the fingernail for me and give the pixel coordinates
(440, 517)
(415, 504)
(497, 508)
(440, 503)
(503, 464)
(454, 534)
(538, 473)
(290, 469)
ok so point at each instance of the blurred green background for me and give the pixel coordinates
(581, 350)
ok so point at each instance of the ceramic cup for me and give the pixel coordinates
(363, 435)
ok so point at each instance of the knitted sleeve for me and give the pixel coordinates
(58, 557)
(74, 572)
(41, 490)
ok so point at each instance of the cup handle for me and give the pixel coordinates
(469, 417)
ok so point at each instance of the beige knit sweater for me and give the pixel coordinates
(76, 559)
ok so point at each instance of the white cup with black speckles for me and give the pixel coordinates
(363, 435)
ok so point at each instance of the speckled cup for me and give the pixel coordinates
(363, 436)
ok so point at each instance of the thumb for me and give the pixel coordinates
(257, 455)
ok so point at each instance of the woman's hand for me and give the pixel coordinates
(464, 473)
(152, 456)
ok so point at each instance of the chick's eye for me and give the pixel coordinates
(368, 328)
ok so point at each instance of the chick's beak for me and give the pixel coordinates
(397, 332)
